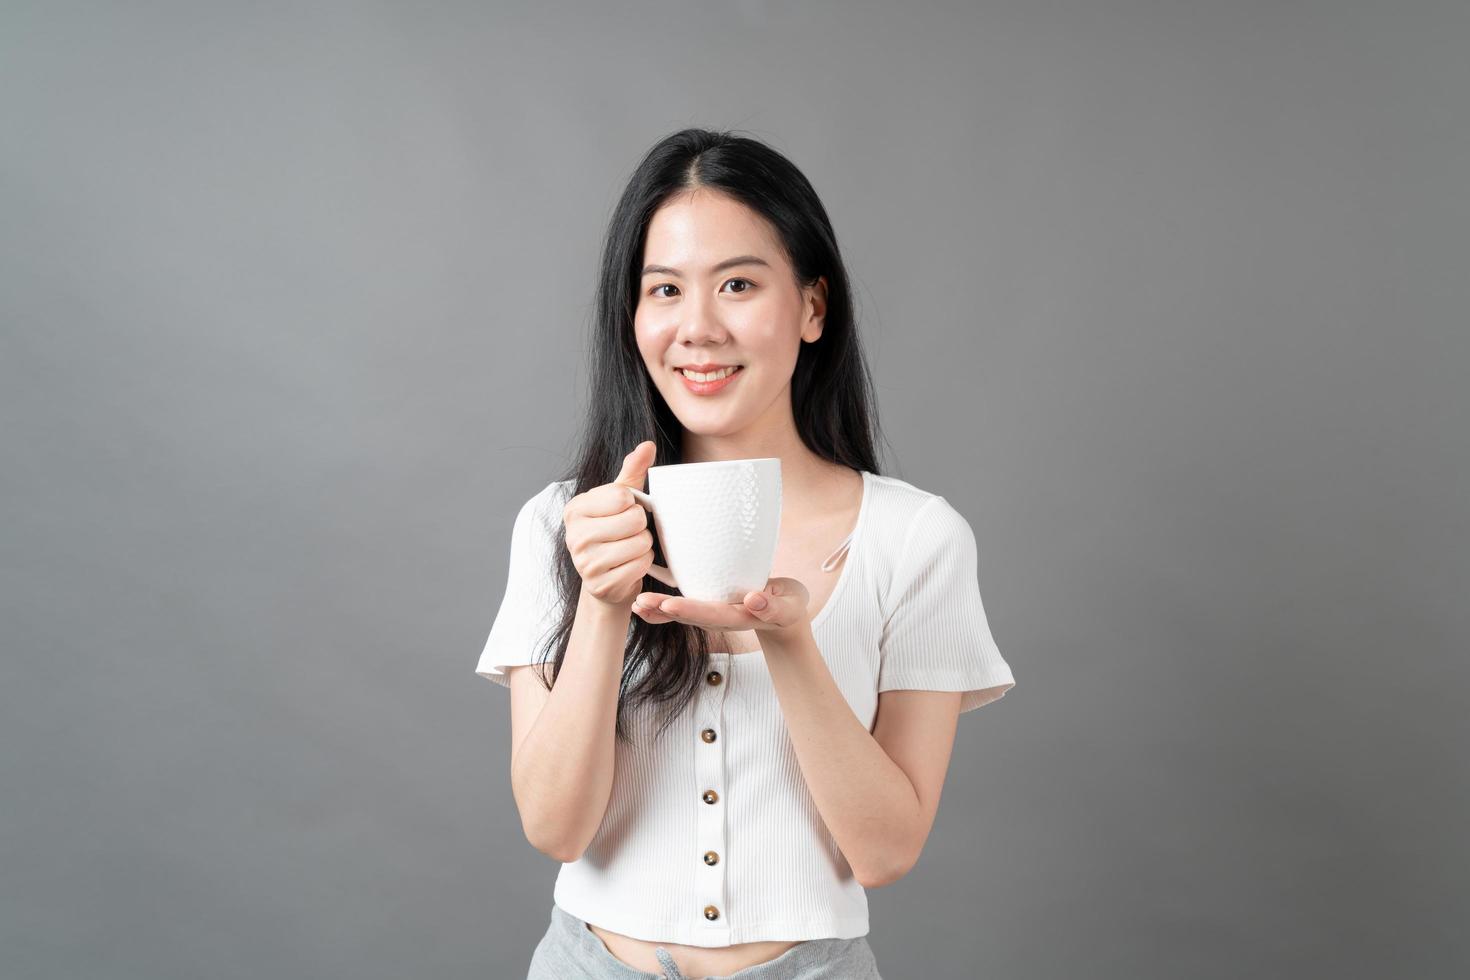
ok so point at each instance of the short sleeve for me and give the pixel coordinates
(935, 635)
(531, 606)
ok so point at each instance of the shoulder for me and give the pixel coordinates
(910, 529)
(550, 499)
(541, 513)
(899, 508)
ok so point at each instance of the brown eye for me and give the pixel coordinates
(666, 285)
(747, 282)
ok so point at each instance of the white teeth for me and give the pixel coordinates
(717, 375)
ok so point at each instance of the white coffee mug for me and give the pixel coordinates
(718, 523)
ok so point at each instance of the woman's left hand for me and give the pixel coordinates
(781, 605)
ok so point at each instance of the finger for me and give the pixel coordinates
(635, 465)
(610, 498)
(618, 555)
(644, 606)
(711, 615)
(782, 600)
(649, 601)
(601, 501)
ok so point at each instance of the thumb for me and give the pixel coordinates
(635, 465)
(780, 602)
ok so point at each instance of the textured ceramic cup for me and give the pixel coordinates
(718, 523)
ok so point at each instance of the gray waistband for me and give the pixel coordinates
(801, 960)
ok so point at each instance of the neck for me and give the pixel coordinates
(807, 480)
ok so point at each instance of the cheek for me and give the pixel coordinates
(653, 347)
(646, 335)
(650, 321)
(769, 337)
(771, 320)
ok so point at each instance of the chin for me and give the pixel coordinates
(697, 428)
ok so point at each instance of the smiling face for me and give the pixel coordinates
(696, 307)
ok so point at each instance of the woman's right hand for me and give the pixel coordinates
(608, 534)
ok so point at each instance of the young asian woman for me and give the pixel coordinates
(722, 781)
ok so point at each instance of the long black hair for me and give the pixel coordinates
(831, 389)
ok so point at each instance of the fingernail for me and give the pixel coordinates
(759, 602)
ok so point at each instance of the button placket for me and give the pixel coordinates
(708, 860)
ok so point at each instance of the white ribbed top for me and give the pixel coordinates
(905, 613)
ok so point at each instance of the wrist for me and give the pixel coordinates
(605, 608)
(785, 639)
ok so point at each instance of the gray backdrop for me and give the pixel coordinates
(1169, 299)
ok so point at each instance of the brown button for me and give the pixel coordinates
(710, 796)
(713, 677)
(710, 857)
(711, 913)
(708, 734)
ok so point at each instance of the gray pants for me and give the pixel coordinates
(571, 951)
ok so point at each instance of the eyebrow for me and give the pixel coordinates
(664, 270)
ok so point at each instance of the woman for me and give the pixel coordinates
(722, 781)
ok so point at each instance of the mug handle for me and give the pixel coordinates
(657, 571)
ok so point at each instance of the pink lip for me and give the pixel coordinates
(709, 387)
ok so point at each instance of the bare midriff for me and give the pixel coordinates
(695, 962)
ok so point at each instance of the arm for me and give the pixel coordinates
(877, 793)
(562, 744)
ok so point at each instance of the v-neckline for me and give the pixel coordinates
(853, 537)
(846, 545)
(831, 560)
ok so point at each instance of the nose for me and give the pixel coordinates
(699, 322)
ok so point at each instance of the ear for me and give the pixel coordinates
(817, 304)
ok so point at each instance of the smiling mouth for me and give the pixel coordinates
(729, 371)
(712, 387)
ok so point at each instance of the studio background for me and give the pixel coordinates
(1168, 299)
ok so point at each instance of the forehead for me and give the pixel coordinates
(696, 230)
